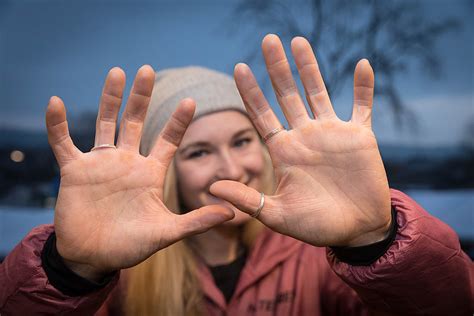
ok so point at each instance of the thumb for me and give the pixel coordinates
(241, 196)
(203, 219)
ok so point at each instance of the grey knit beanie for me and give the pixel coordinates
(213, 91)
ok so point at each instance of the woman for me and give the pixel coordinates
(328, 187)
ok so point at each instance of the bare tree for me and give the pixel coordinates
(393, 35)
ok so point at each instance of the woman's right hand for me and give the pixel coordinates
(110, 212)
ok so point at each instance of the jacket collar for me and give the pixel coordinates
(269, 250)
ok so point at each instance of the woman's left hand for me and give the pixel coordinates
(332, 189)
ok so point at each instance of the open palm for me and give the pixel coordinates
(332, 188)
(109, 213)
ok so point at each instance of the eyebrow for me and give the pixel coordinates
(204, 143)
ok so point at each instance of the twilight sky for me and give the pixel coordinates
(65, 48)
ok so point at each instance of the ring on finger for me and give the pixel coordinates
(260, 207)
(272, 133)
(101, 146)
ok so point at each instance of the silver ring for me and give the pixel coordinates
(103, 146)
(260, 207)
(272, 133)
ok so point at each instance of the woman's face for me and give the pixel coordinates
(218, 146)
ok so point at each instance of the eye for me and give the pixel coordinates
(242, 142)
(197, 154)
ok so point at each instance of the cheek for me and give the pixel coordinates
(256, 165)
(193, 180)
(192, 177)
(253, 161)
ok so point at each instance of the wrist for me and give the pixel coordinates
(85, 271)
(372, 237)
(71, 278)
(367, 254)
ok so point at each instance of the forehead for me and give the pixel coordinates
(216, 127)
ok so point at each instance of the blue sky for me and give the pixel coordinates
(65, 48)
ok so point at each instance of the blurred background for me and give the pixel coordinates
(422, 53)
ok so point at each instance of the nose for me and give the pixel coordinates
(230, 167)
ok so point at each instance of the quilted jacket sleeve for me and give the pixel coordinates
(25, 289)
(424, 272)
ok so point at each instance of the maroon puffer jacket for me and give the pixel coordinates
(424, 272)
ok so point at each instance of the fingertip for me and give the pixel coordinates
(299, 45)
(224, 212)
(188, 105)
(147, 71)
(227, 212)
(270, 41)
(217, 214)
(241, 69)
(364, 71)
(146, 67)
(240, 66)
(144, 81)
(299, 41)
(216, 187)
(364, 63)
(55, 112)
(116, 73)
(212, 188)
(188, 102)
(204, 218)
(270, 37)
(54, 104)
(54, 100)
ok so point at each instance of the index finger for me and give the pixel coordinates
(170, 137)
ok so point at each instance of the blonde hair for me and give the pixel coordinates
(167, 283)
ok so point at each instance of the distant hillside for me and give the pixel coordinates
(29, 140)
(398, 153)
(21, 139)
